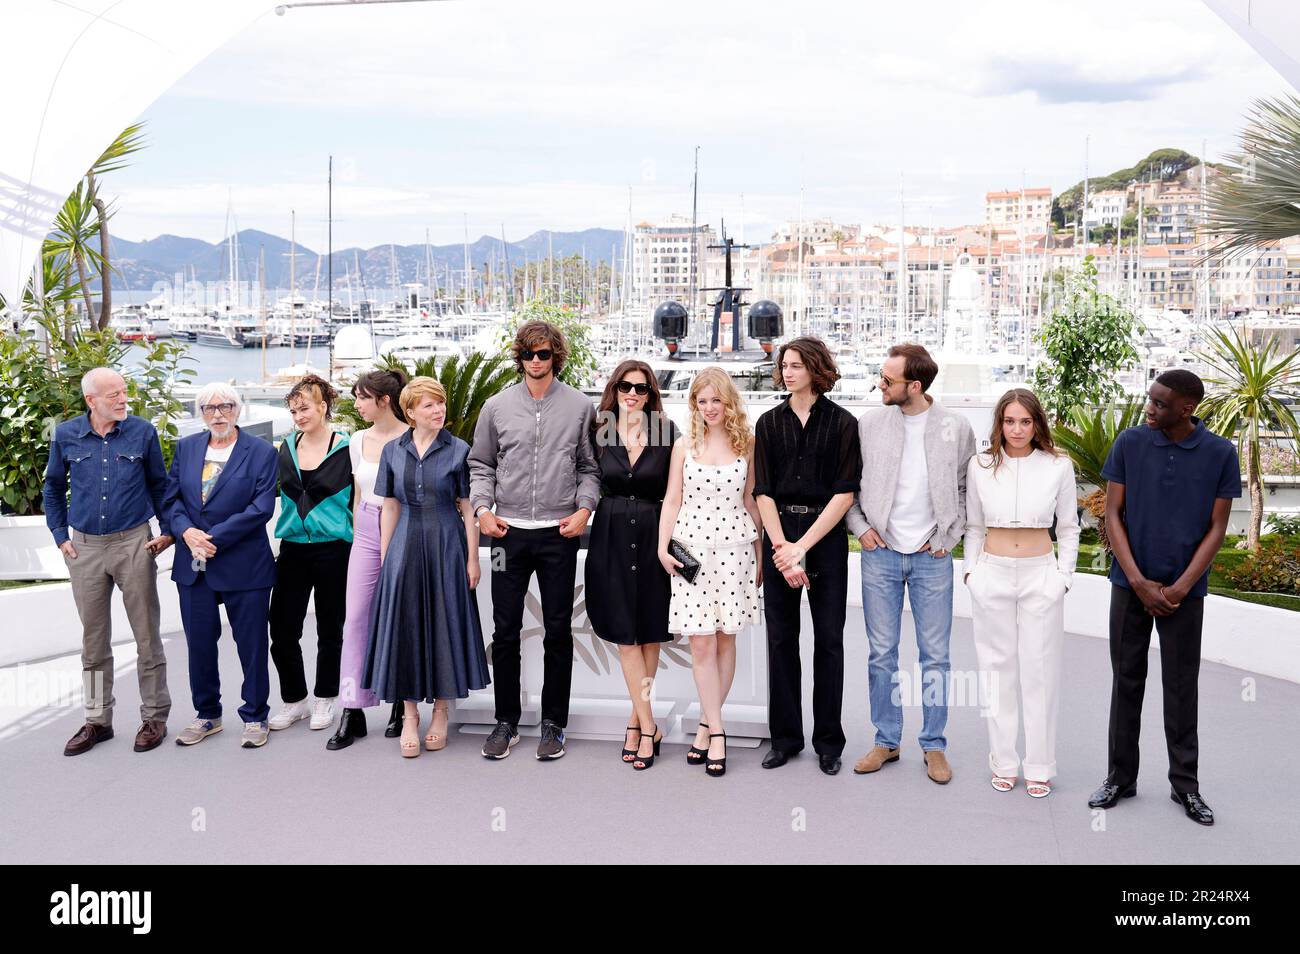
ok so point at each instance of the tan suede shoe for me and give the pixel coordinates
(874, 760)
(936, 766)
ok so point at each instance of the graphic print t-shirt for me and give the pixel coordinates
(214, 462)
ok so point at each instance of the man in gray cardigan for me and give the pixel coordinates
(533, 461)
(909, 514)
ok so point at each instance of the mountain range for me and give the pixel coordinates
(142, 264)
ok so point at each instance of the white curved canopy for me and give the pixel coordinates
(74, 76)
(1271, 27)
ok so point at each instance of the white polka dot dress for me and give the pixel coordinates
(714, 525)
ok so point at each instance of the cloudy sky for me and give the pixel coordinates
(540, 115)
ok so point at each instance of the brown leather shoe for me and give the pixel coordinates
(150, 735)
(87, 737)
(874, 760)
(937, 767)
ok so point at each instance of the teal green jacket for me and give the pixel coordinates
(315, 507)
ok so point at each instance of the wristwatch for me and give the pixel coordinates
(479, 512)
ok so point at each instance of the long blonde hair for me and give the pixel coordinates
(734, 418)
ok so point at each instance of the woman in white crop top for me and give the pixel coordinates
(1014, 492)
(376, 394)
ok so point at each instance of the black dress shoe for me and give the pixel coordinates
(394, 728)
(1109, 795)
(775, 758)
(1194, 806)
(830, 764)
(352, 725)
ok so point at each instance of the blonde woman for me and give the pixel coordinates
(1017, 586)
(710, 510)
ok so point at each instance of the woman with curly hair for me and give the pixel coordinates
(315, 531)
(709, 510)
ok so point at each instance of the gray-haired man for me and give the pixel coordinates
(113, 463)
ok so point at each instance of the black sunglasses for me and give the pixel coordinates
(543, 354)
(627, 387)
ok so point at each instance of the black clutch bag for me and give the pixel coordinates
(690, 566)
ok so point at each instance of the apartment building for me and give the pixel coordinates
(1030, 209)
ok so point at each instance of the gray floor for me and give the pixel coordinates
(293, 801)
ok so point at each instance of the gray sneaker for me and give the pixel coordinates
(197, 731)
(255, 734)
(498, 744)
(552, 744)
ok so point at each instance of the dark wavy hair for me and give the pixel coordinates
(383, 383)
(607, 412)
(538, 334)
(817, 358)
(314, 388)
(1042, 438)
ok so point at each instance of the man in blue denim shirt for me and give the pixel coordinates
(114, 464)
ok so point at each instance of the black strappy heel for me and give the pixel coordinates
(717, 767)
(696, 756)
(643, 762)
(629, 755)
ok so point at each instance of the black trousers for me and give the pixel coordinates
(1180, 666)
(828, 577)
(300, 569)
(515, 558)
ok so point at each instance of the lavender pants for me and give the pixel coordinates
(363, 576)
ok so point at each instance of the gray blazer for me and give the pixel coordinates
(534, 459)
(949, 446)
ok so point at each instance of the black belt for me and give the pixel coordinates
(798, 508)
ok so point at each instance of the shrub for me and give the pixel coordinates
(1273, 568)
(40, 389)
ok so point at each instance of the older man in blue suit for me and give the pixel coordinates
(220, 495)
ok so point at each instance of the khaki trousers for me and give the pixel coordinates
(105, 561)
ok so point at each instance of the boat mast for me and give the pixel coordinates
(261, 311)
(329, 271)
(466, 309)
(900, 330)
(293, 287)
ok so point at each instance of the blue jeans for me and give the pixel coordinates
(928, 581)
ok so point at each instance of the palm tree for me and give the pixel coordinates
(1250, 393)
(1087, 439)
(468, 385)
(74, 240)
(81, 227)
(1257, 202)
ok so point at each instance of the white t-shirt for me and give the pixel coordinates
(214, 462)
(911, 517)
(364, 471)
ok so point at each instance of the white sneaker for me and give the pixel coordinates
(288, 714)
(322, 714)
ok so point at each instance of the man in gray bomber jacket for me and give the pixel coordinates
(533, 461)
(910, 513)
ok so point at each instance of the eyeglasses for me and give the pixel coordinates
(890, 382)
(543, 354)
(210, 409)
(627, 387)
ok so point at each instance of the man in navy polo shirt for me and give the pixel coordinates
(1169, 489)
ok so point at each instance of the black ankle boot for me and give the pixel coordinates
(352, 725)
(395, 721)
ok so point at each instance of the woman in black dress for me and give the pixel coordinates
(627, 590)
